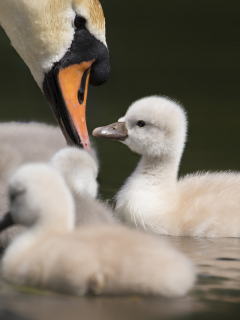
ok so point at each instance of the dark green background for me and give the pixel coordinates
(187, 50)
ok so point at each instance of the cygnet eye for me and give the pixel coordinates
(12, 196)
(79, 22)
(15, 194)
(141, 123)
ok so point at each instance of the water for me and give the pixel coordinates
(183, 49)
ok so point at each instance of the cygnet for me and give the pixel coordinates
(107, 259)
(153, 198)
(80, 169)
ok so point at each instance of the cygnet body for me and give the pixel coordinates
(107, 259)
(152, 198)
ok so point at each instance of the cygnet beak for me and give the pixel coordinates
(6, 221)
(115, 131)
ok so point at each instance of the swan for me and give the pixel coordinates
(107, 259)
(153, 198)
(64, 45)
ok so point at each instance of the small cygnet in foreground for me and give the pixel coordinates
(153, 198)
(103, 259)
(80, 170)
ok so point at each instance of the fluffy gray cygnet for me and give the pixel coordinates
(70, 161)
(80, 170)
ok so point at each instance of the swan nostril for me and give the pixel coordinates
(81, 91)
(114, 128)
(80, 96)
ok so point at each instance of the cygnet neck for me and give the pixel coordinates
(60, 226)
(161, 170)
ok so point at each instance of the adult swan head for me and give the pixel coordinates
(63, 43)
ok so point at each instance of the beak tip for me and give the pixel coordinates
(95, 132)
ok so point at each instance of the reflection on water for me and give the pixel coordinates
(218, 266)
(184, 49)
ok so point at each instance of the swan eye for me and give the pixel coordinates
(79, 22)
(141, 123)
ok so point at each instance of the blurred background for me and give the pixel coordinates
(187, 50)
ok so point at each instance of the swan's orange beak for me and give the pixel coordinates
(70, 80)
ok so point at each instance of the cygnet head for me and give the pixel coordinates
(153, 126)
(79, 169)
(39, 196)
